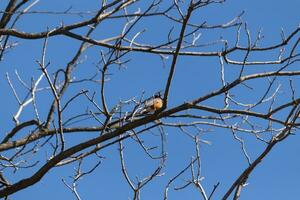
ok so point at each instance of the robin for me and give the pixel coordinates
(149, 106)
(153, 104)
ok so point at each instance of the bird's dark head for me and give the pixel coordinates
(157, 95)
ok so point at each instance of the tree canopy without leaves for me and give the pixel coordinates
(76, 87)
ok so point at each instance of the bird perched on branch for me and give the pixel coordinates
(153, 104)
(150, 105)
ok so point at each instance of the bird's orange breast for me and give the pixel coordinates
(158, 103)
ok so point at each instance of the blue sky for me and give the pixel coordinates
(222, 161)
